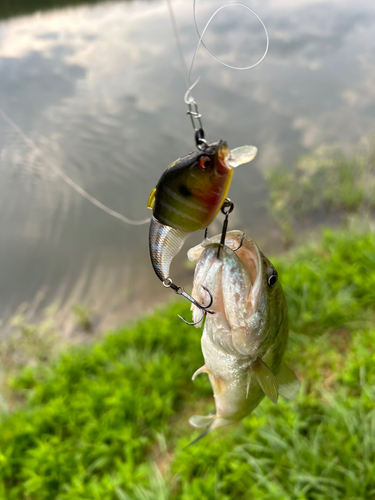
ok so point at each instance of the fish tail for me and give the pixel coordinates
(199, 437)
(164, 242)
(202, 421)
(212, 421)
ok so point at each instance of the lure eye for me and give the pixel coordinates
(271, 276)
(205, 162)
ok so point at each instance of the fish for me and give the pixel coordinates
(187, 198)
(244, 341)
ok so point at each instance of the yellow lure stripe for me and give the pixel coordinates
(151, 199)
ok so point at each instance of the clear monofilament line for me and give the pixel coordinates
(200, 41)
(188, 97)
(68, 180)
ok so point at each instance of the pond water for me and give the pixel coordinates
(99, 90)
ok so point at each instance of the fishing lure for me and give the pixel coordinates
(187, 198)
(193, 189)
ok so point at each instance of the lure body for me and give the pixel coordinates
(165, 242)
(243, 343)
(188, 197)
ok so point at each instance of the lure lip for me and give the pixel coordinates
(239, 156)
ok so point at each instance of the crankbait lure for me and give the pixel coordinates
(188, 197)
(193, 189)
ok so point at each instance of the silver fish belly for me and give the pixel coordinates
(243, 343)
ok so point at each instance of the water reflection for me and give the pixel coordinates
(99, 89)
(24, 7)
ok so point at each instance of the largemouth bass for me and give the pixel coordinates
(244, 341)
(188, 197)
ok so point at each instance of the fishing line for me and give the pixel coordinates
(68, 180)
(188, 98)
(178, 41)
(234, 4)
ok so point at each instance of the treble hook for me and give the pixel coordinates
(226, 209)
(203, 308)
(241, 243)
(168, 283)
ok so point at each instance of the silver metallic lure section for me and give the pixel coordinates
(165, 242)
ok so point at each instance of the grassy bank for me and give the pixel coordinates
(109, 421)
(325, 184)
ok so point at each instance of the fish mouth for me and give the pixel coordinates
(249, 254)
(251, 258)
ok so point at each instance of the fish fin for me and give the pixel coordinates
(248, 384)
(199, 437)
(212, 421)
(266, 379)
(151, 199)
(288, 384)
(202, 369)
(201, 421)
(218, 384)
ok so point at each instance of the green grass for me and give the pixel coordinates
(109, 421)
(324, 181)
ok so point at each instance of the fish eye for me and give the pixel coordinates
(271, 276)
(205, 162)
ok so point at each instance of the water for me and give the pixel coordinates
(100, 90)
